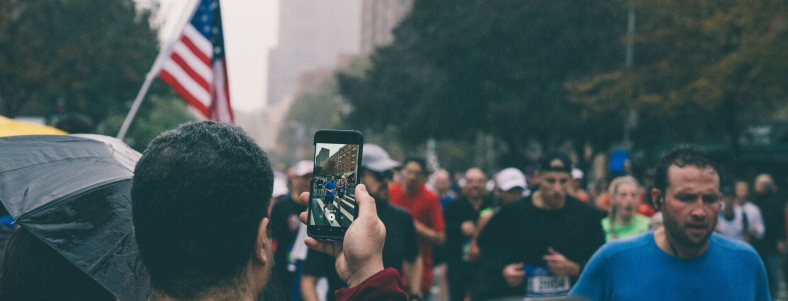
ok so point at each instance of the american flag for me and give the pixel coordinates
(196, 67)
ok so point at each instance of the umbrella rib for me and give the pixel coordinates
(105, 159)
(70, 196)
(108, 254)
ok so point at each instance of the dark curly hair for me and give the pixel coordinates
(681, 156)
(198, 195)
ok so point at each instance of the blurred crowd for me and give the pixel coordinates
(426, 234)
(470, 231)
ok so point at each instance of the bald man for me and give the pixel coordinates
(461, 216)
(442, 184)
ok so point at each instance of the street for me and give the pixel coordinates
(342, 217)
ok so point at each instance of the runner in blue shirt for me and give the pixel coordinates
(685, 259)
(330, 188)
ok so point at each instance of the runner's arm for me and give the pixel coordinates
(429, 235)
(593, 280)
(414, 271)
(309, 287)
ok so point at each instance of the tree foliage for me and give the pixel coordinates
(93, 53)
(158, 114)
(460, 68)
(702, 70)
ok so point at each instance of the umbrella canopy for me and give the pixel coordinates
(74, 193)
(10, 127)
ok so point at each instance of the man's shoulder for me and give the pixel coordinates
(750, 207)
(514, 210)
(583, 209)
(736, 247)
(398, 212)
(283, 205)
(458, 202)
(629, 245)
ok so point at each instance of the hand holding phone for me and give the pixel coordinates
(360, 254)
(332, 209)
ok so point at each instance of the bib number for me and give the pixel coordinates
(540, 282)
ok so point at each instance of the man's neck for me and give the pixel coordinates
(295, 196)
(670, 246)
(476, 202)
(408, 189)
(540, 202)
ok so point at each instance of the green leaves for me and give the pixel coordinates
(93, 53)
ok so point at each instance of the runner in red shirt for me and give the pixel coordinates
(425, 208)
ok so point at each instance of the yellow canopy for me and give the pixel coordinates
(10, 127)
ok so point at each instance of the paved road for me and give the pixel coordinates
(342, 212)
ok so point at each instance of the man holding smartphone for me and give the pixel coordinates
(401, 243)
(200, 195)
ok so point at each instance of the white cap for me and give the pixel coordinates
(303, 167)
(577, 174)
(510, 178)
(376, 159)
(280, 188)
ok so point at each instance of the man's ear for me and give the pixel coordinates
(656, 195)
(263, 243)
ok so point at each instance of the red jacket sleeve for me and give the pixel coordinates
(385, 285)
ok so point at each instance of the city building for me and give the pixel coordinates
(322, 156)
(378, 19)
(311, 35)
(344, 161)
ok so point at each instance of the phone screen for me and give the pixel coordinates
(333, 203)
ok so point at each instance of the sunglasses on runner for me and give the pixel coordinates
(383, 175)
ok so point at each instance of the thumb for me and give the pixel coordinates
(552, 251)
(366, 204)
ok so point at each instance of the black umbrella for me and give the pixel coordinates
(74, 193)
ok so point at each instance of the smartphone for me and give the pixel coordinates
(332, 202)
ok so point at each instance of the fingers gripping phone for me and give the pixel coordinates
(332, 202)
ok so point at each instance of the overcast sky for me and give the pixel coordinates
(250, 29)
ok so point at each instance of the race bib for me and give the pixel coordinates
(466, 248)
(540, 282)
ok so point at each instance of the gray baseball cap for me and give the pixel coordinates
(375, 158)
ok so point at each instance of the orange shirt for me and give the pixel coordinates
(425, 208)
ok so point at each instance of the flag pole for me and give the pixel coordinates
(185, 17)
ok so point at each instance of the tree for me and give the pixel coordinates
(159, 114)
(457, 69)
(319, 108)
(329, 167)
(93, 53)
(702, 70)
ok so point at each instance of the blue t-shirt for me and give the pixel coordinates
(330, 186)
(637, 269)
